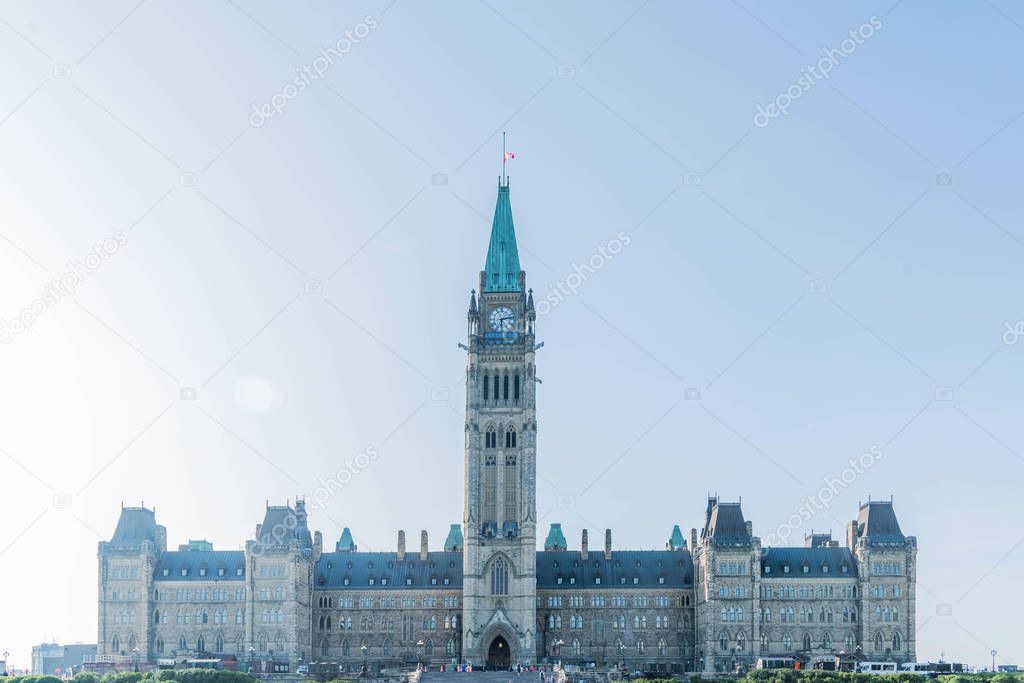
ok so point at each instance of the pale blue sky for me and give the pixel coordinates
(814, 277)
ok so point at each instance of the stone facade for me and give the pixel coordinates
(713, 602)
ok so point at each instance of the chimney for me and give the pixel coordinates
(423, 545)
(851, 534)
(583, 546)
(693, 539)
(750, 528)
(401, 546)
(607, 544)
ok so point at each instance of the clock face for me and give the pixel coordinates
(502, 319)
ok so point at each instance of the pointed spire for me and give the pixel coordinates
(501, 271)
(472, 301)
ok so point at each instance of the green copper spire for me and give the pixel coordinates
(502, 268)
(677, 542)
(454, 541)
(345, 543)
(555, 539)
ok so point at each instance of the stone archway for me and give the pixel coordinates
(499, 655)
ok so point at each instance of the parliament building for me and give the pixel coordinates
(713, 600)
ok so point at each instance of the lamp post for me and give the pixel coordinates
(6, 655)
(252, 653)
(135, 658)
(363, 648)
(993, 653)
(419, 655)
(558, 650)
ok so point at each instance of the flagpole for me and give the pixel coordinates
(504, 158)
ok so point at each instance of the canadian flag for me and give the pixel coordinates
(509, 155)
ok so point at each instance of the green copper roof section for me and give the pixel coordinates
(502, 267)
(555, 539)
(454, 540)
(345, 543)
(677, 542)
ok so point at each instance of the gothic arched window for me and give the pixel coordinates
(505, 388)
(516, 393)
(115, 645)
(495, 386)
(807, 641)
(499, 577)
(787, 642)
(897, 642)
(220, 644)
(487, 385)
(510, 437)
(491, 438)
(764, 642)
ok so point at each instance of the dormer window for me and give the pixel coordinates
(220, 571)
(597, 580)
(345, 581)
(572, 580)
(824, 569)
(202, 571)
(238, 572)
(433, 581)
(636, 580)
(785, 569)
(167, 572)
(371, 581)
(806, 569)
(446, 581)
(184, 572)
(384, 582)
(845, 569)
(408, 581)
(767, 569)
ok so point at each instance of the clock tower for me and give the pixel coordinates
(500, 518)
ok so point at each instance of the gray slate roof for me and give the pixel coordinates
(877, 521)
(815, 559)
(134, 526)
(645, 566)
(386, 571)
(726, 526)
(193, 561)
(282, 525)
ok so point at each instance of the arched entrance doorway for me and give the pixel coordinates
(498, 656)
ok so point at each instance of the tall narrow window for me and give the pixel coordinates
(487, 385)
(495, 386)
(491, 438)
(505, 388)
(510, 437)
(516, 394)
(499, 577)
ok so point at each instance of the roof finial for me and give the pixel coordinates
(504, 160)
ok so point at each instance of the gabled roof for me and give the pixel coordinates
(200, 565)
(775, 560)
(877, 521)
(625, 569)
(354, 571)
(134, 526)
(502, 265)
